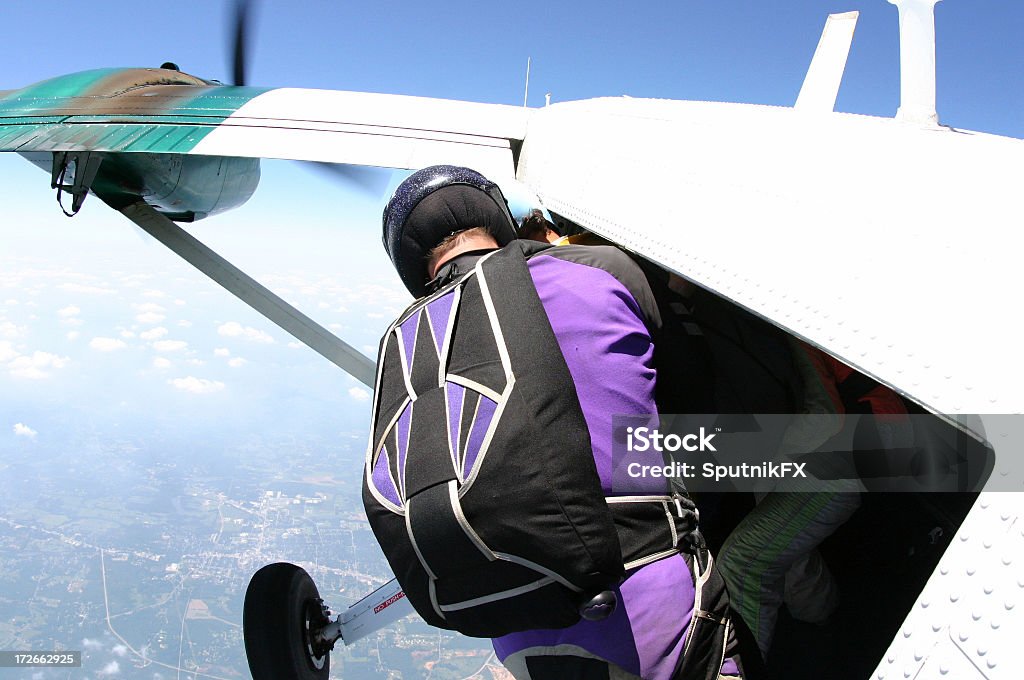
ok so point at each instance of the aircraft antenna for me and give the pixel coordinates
(527, 93)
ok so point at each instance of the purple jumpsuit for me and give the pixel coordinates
(601, 310)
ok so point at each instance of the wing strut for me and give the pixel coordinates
(825, 74)
(249, 291)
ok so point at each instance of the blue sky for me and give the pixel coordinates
(299, 225)
(734, 51)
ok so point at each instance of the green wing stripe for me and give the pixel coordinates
(152, 138)
(81, 112)
(75, 84)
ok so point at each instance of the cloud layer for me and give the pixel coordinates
(197, 385)
(23, 430)
(233, 329)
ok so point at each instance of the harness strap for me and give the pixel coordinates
(653, 527)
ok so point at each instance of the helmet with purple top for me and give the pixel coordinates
(433, 204)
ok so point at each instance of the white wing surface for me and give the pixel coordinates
(890, 246)
(361, 128)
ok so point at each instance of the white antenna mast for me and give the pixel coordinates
(527, 93)
(917, 61)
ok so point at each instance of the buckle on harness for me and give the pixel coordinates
(679, 508)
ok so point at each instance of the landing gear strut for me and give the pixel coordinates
(287, 629)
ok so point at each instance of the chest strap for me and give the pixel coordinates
(654, 527)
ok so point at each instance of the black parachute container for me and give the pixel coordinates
(480, 483)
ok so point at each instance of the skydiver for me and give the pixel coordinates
(603, 313)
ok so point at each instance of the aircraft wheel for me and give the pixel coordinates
(281, 615)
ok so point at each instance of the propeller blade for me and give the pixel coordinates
(368, 180)
(240, 38)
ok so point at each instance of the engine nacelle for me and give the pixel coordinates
(183, 187)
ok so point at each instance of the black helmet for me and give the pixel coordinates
(419, 216)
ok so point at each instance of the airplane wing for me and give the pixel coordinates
(160, 116)
(884, 243)
(96, 111)
(888, 245)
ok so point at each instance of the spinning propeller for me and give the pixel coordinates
(371, 182)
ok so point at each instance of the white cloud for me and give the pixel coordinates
(7, 351)
(150, 317)
(127, 334)
(89, 643)
(36, 367)
(169, 345)
(195, 362)
(197, 385)
(68, 312)
(161, 362)
(358, 393)
(180, 302)
(135, 280)
(151, 293)
(149, 307)
(119, 650)
(185, 323)
(112, 668)
(237, 362)
(72, 321)
(82, 288)
(23, 430)
(233, 329)
(295, 344)
(9, 330)
(221, 352)
(107, 344)
(73, 335)
(153, 333)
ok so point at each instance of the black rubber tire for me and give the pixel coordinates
(281, 603)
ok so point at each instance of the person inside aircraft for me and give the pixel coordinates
(603, 313)
(771, 557)
(536, 227)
